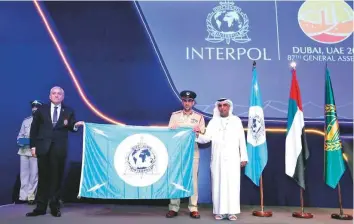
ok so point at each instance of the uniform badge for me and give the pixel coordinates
(194, 120)
(65, 122)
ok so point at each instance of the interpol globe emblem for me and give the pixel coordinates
(227, 23)
(257, 127)
(142, 159)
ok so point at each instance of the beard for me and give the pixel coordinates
(224, 114)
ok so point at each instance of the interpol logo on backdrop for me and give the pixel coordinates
(227, 22)
(141, 160)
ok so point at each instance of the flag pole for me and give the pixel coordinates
(341, 215)
(261, 213)
(301, 214)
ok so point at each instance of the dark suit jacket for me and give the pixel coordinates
(43, 134)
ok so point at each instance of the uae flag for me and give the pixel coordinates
(296, 150)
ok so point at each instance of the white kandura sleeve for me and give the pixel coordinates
(208, 135)
(242, 142)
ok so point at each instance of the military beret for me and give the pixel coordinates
(35, 103)
(188, 94)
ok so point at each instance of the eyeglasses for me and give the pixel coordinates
(223, 105)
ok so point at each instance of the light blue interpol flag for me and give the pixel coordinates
(256, 135)
(132, 162)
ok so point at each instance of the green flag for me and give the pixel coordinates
(334, 163)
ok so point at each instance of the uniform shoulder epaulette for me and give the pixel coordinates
(197, 113)
(177, 112)
(28, 118)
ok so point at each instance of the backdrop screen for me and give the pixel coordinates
(209, 47)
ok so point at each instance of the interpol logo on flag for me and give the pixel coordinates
(131, 162)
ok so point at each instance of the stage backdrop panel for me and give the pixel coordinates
(208, 45)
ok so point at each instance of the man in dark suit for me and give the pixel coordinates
(48, 141)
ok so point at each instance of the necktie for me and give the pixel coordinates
(55, 115)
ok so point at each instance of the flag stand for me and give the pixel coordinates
(302, 214)
(262, 213)
(341, 215)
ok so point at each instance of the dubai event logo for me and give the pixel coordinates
(327, 22)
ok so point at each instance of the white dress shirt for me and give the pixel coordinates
(52, 111)
(58, 111)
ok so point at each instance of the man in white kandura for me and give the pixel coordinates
(228, 155)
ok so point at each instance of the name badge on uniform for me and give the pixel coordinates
(65, 122)
(194, 120)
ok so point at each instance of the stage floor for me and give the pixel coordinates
(108, 213)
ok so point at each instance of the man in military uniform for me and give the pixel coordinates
(28, 163)
(188, 118)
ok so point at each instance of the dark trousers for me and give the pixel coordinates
(50, 173)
